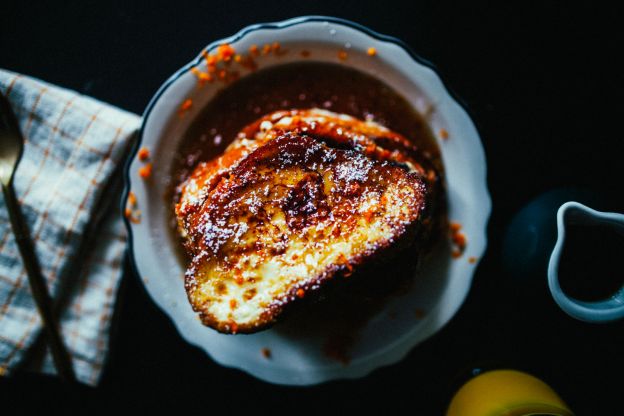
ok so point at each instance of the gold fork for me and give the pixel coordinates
(11, 146)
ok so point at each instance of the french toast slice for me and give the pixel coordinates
(298, 199)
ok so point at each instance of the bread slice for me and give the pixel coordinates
(298, 199)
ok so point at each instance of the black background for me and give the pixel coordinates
(544, 86)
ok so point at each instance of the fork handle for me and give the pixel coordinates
(39, 289)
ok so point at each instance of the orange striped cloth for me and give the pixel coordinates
(74, 146)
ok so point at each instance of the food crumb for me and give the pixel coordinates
(144, 153)
(458, 239)
(131, 199)
(188, 103)
(342, 55)
(225, 52)
(300, 293)
(145, 171)
(266, 353)
(443, 134)
(202, 77)
(455, 227)
(266, 49)
(253, 49)
(371, 51)
(133, 216)
(472, 260)
(211, 60)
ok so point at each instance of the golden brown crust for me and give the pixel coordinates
(294, 185)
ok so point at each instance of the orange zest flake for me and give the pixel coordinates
(202, 77)
(266, 353)
(233, 304)
(443, 134)
(300, 293)
(211, 61)
(455, 227)
(278, 50)
(458, 239)
(342, 55)
(133, 216)
(186, 105)
(131, 199)
(145, 171)
(431, 175)
(143, 154)
(371, 51)
(226, 52)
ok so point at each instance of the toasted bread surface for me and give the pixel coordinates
(298, 199)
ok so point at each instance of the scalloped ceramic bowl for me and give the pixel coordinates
(298, 358)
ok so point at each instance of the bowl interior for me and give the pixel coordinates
(299, 356)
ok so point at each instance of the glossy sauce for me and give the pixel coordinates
(298, 86)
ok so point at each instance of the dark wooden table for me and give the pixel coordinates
(545, 89)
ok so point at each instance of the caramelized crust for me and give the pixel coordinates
(299, 198)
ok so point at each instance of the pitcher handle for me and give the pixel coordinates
(599, 311)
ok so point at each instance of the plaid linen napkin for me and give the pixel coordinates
(74, 146)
